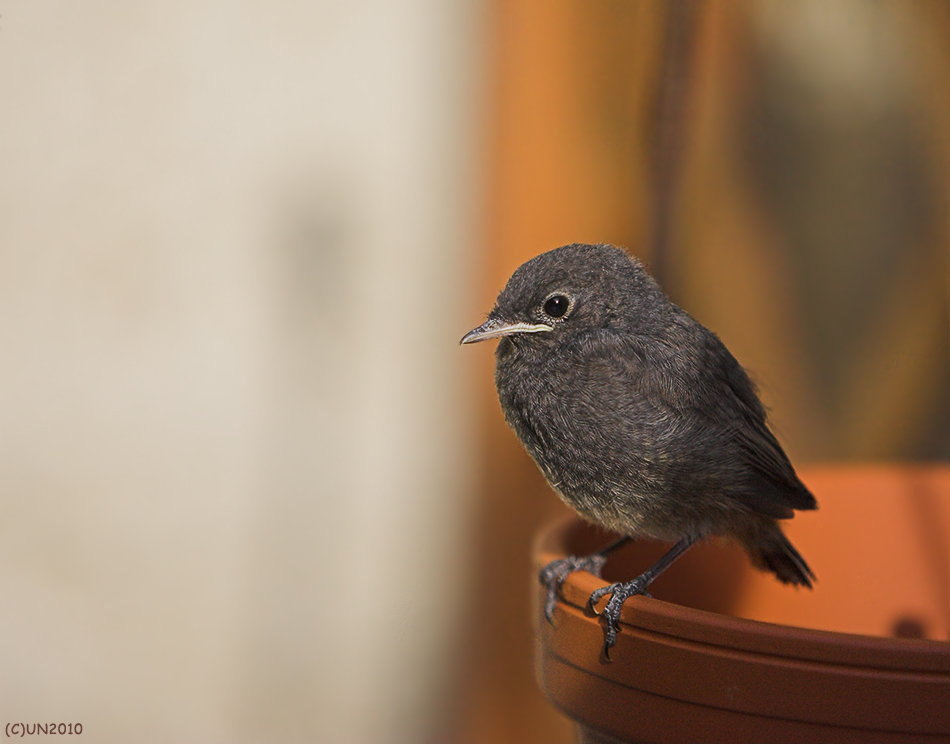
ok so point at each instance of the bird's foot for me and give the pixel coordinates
(554, 574)
(619, 593)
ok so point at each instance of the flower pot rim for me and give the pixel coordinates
(684, 674)
(742, 634)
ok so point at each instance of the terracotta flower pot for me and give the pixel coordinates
(724, 653)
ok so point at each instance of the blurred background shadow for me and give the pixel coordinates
(250, 488)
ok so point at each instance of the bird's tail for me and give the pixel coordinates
(769, 550)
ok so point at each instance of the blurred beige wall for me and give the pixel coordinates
(234, 247)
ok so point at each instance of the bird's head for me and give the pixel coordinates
(564, 292)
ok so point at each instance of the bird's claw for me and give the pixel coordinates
(554, 574)
(619, 593)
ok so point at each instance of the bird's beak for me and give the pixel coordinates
(496, 328)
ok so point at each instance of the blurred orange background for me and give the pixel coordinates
(805, 220)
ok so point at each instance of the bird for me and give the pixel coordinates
(640, 419)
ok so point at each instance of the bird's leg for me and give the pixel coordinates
(621, 592)
(553, 575)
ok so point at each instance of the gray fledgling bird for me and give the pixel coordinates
(639, 418)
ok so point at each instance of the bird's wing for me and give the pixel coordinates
(775, 489)
(714, 388)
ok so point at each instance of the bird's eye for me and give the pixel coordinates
(556, 306)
